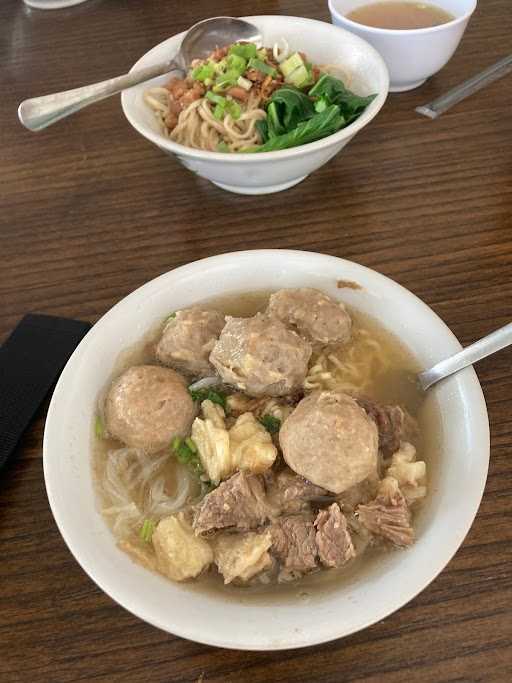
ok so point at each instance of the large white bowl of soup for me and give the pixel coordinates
(236, 453)
(231, 159)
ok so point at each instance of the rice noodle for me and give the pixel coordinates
(134, 487)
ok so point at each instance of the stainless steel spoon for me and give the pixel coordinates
(471, 354)
(200, 40)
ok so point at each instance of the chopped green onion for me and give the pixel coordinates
(245, 50)
(300, 77)
(223, 147)
(226, 80)
(171, 316)
(219, 112)
(272, 424)
(98, 427)
(220, 67)
(237, 63)
(216, 99)
(213, 396)
(244, 83)
(190, 443)
(187, 453)
(204, 71)
(147, 530)
(289, 65)
(262, 66)
(262, 53)
(233, 109)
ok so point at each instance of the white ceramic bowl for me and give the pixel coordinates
(271, 171)
(456, 476)
(411, 56)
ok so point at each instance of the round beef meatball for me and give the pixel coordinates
(330, 440)
(312, 313)
(147, 406)
(261, 356)
(188, 339)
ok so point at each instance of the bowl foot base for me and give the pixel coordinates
(406, 86)
(264, 189)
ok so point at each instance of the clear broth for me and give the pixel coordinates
(400, 15)
(401, 366)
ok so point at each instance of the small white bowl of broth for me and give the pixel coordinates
(415, 39)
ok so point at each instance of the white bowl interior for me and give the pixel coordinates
(241, 622)
(322, 42)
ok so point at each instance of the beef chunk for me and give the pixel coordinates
(290, 493)
(333, 538)
(238, 502)
(388, 515)
(390, 424)
(293, 543)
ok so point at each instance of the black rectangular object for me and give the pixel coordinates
(31, 360)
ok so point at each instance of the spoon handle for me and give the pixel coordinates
(480, 349)
(40, 112)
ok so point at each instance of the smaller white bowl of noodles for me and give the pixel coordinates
(364, 72)
(296, 615)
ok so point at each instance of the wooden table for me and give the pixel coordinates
(90, 211)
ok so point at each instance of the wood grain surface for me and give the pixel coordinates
(90, 211)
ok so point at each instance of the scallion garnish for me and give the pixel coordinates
(147, 529)
(265, 68)
(98, 427)
(187, 453)
(245, 50)
(272, 424)
(201, 395)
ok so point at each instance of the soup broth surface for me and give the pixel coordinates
(400, 15)
(390, 380)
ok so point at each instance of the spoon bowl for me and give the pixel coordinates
(199, 41)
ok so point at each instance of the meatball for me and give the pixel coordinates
(147, 406)
(261, 356)
(330, 440)
(312, 313)
(187, 340)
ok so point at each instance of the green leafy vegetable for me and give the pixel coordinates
(295, 118)
(146, 531)
(333, 91)
(99, 430)
(245, 50)
(318, 126)
(265, 68)
(273, 123)
(293, 106)
(262, 128)
(272, 424)
(213, 396)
